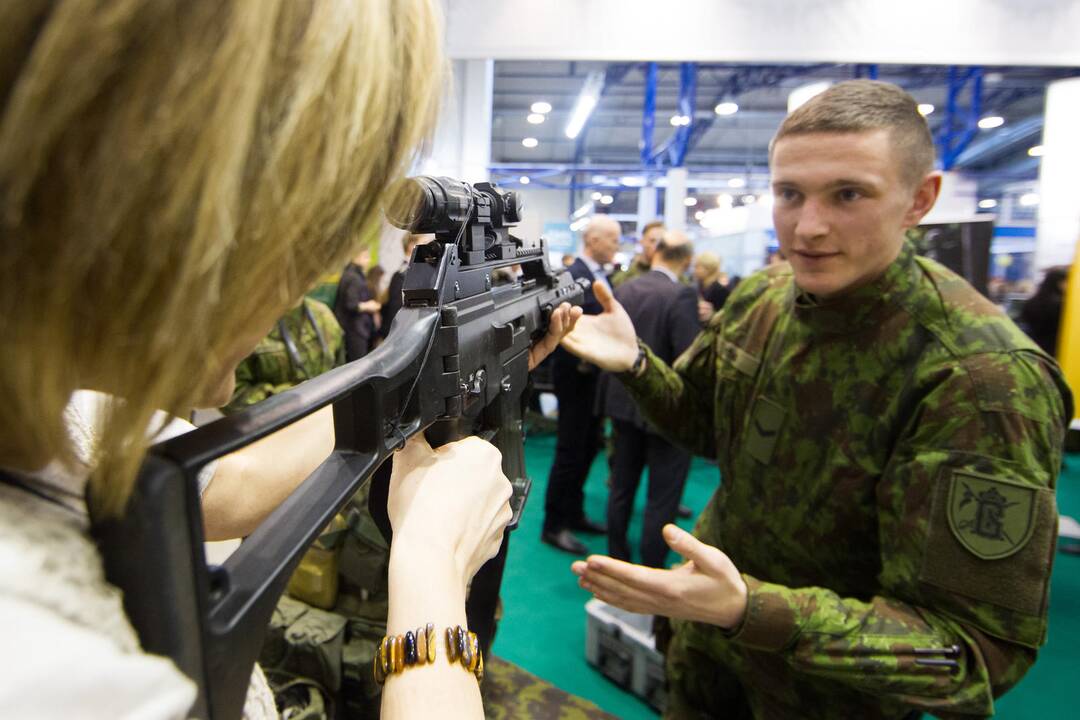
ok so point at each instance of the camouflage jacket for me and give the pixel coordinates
(637, 267)
(888, 464)
(304, 343)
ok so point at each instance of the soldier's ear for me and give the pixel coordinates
(923, 199)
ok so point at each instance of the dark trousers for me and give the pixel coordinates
(668, 466)
(576, 444)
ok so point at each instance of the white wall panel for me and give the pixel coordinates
(1004, 32)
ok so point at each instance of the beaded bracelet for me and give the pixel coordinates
(397, 652)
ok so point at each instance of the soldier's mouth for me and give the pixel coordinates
(815, 254)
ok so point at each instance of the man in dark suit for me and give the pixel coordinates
(580, 425)
(665, 315)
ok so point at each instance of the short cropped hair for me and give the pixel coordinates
(649, 226)
(863, 105)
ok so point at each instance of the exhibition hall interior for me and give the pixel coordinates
(540, 359)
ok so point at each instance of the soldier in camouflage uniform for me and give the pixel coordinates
(304, 343)
(322, 639)
(889, 442)
(642, 263)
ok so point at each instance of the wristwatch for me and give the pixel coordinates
(639, 362)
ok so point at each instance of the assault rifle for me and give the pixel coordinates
(455, 363)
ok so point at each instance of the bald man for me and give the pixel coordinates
(665, 315)
(579, 425)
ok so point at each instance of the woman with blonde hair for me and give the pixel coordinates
(174, 175)
(712, 294)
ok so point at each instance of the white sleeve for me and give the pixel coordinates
(174, 426)
(52, 668)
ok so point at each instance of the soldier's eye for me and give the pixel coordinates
(849, 195)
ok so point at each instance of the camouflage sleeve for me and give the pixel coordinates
(249, 387)
(685, 392)
(967, 527)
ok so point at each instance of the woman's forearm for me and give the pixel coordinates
(249, 483)
(426, 586)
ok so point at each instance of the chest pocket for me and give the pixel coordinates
(736, 372)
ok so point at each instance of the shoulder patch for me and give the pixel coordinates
(992, 518)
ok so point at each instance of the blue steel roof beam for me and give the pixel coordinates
(751, 78)
(648, 113)
(956, 132)
(993, 182)
(687, 106)
(1000, 143)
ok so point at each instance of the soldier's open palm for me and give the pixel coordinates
(607, 340)
(706, 588)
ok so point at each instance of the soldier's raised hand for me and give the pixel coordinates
(607, 340)
(706, 588)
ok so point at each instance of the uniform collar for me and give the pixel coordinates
(864, 306)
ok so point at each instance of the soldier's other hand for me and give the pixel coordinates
(449, 504)
(607, 340)
(705, 310)
(706, 588)
(562, 322)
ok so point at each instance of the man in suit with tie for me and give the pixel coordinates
(664, 313)
(580, 425)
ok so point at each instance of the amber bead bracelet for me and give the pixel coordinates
(417, 647)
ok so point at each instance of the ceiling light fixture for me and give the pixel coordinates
(607, 200)
(726, 108)
(1029, 199)
(530, 142)
(925, 109)
(524, 180)
(1035, 151)
(586, 102)
(988, 204)
(690, 202)
(736, 182)
(596, 196)
(541, 107)
(535, 118)
(991, 121)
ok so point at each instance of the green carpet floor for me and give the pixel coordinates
(543, 628)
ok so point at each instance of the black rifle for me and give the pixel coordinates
(455, 363)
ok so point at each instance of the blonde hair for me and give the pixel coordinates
(174, 174)
(863, 105)
(708, 262)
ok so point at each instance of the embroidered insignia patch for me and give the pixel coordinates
(991, 517)
(765, 422)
